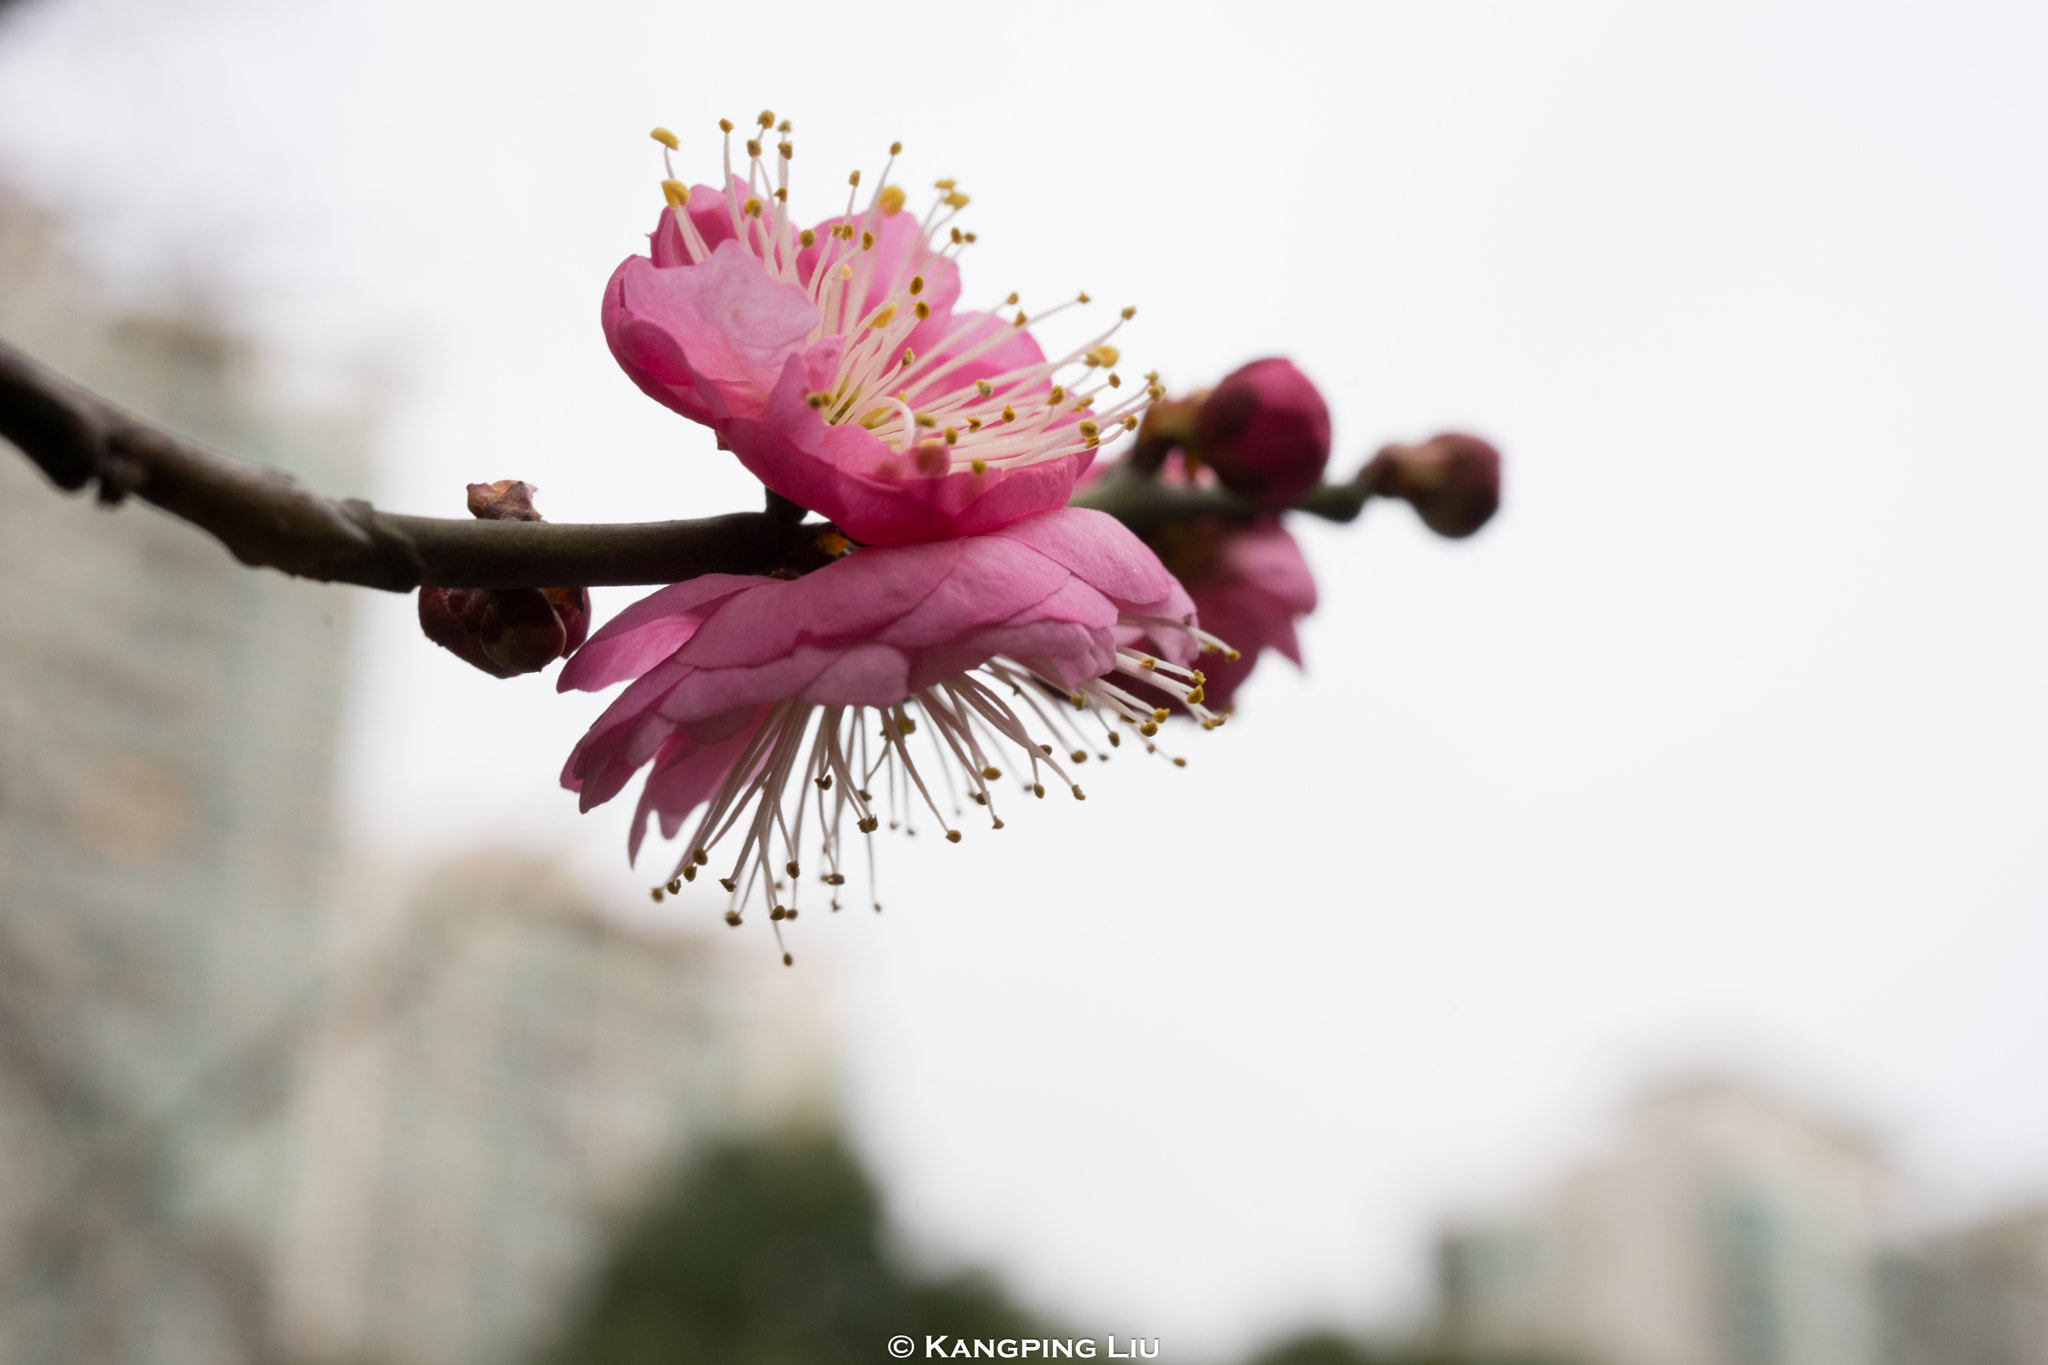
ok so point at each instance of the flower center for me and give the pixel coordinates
(938, 410)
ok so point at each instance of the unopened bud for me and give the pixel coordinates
(1265, 430)
(1452, 481)
(505, 631)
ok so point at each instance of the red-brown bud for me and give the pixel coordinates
(1452, 480)
(1265, 430)
(505, 631)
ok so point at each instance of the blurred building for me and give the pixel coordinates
(1973, 1296)
(507, 1072)
(254, 1106)
(1729, 1229)
(167, 737)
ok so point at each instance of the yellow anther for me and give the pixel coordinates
(922, 309)
(703, 857)
(895, 149)
(970, 236)
(791, 868)
(1195, 695)
(666, 139)
(1057, 396)
(1151, 376)
(1155, 392)
(957, 238)
(1079, 795)
(1020, 319)
(1180, 763)
(1130, 313)
(816, 400)
(890, 200)
(1009, 413)
(845, 272)
(945, 184)
(1038, 790)
(752, 208)
(983, 387)
(725, 125)
(782, 195)
(766, 118)
(1197, 676)
(807, 238)
(689, 872)
(1148, 662)
(917, 284)
(753, 147)
(978, 466)
(956, 200)
(1107, 355)
(867, 241)
(1149, 728)
(854, 180)
(784, 127)
(732, 917)
(1082, 297)
(952, 435)
(1090, 429)
(1087, 402)
(1160, 714)
(1130, 423)
(874, 417)
(952, 836)
(909, 357)
(974, 424)
(882, 318)
(786, 149)
(1011, 301)
(924, 419)
(1232, 655)
(1116, 381)
(1079, 756)
(1091, 442)
(676, 192)
(656, 893)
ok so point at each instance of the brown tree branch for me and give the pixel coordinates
(268, 519)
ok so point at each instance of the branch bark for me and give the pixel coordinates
(268, 519)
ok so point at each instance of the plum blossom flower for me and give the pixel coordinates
(1254, 586)
(835, 362)
(766, 702)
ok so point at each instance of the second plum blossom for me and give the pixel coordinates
(765, 702)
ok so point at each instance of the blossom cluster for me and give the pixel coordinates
(978, 625)
(972, 623)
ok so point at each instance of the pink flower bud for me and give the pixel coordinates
(1266, 432)
(1452, 480)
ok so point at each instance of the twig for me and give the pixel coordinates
(268, 519)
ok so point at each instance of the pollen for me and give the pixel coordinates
(666, 139)
(917, 284)
(979, 466)
(867, 241)
(752, 208)
(725, 125)
(753, 147)
(883, 318)
(786, 149)
(890, 200)
(807, 238)
(676, 192)
(766, 118)
(956, 200)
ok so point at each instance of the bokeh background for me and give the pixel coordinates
(1719, 751)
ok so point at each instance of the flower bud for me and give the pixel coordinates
(1266, 432)
(505, 631)
(1452, 481)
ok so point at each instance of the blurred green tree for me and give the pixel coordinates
(771, 1252)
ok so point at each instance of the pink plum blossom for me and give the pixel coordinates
(1253, 588)
(752, 694)
(835, 363)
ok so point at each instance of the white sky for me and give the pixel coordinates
(1725, 742)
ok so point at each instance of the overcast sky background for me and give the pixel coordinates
(1725, 744)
